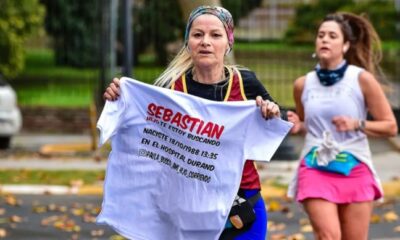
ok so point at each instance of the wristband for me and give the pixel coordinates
(361, 125)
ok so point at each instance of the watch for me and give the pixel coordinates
(361, 125)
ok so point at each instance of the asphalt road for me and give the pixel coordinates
(42, 217)
(45, 217)
(72, 216)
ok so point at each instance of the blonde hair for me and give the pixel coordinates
(181, 63)
(178, 66)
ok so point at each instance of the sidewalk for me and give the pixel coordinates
(274, 175)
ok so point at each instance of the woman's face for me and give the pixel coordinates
(329, 44)
(207, 41)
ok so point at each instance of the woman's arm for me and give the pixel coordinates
(383, 123)
(297, 118)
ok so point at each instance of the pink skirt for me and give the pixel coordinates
(359, 186)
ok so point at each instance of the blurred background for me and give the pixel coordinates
(59, 55)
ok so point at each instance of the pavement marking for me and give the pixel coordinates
(50, 189)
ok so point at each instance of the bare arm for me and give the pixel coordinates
(383, 123)
(297, 118)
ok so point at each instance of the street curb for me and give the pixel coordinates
(50, 189)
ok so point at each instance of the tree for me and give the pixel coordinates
(74, 26)
(156, 23)
(308, 16)
(381, 13)
(18, 20)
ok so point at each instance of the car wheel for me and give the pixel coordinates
(5, 142)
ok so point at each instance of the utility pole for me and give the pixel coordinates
(107, 47)
(127, 32)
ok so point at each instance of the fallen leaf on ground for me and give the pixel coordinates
(297, 236)
(87, 218)
(49, 220)
(276, 227)
(62, 209)
(15, 219)
(390, 216)
(117, 237)
(52, 207)
(3, 233)
(77, 211)
(290, 215)
(375, 218)
(97, 233)
(12, 200)
(278, 236)
(76, 183)
(304, 221)
(306, 228)
(274, 206)
(39, 209)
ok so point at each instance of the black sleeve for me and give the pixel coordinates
(253, 88)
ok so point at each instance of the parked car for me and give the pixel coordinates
(10, 115)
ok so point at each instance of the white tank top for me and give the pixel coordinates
(322, 103)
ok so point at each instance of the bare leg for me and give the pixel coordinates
(354, 220)
(324, 218)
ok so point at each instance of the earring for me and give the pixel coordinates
(227, 51)
(314, 55)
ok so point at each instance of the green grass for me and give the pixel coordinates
(392, 46)
(50, 177)
(42, 83)
(40, 63)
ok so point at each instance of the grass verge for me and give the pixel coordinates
(62, 177)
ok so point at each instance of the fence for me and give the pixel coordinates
(263, 26)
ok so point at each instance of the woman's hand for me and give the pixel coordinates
(112, 92)
(297, 123)
(268, 109)
(344, 123)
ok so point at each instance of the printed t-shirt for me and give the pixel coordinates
(176, 160)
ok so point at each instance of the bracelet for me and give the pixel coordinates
(361, 125)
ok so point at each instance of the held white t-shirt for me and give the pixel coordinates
(177, 160)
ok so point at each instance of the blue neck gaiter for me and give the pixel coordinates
(330, 77)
